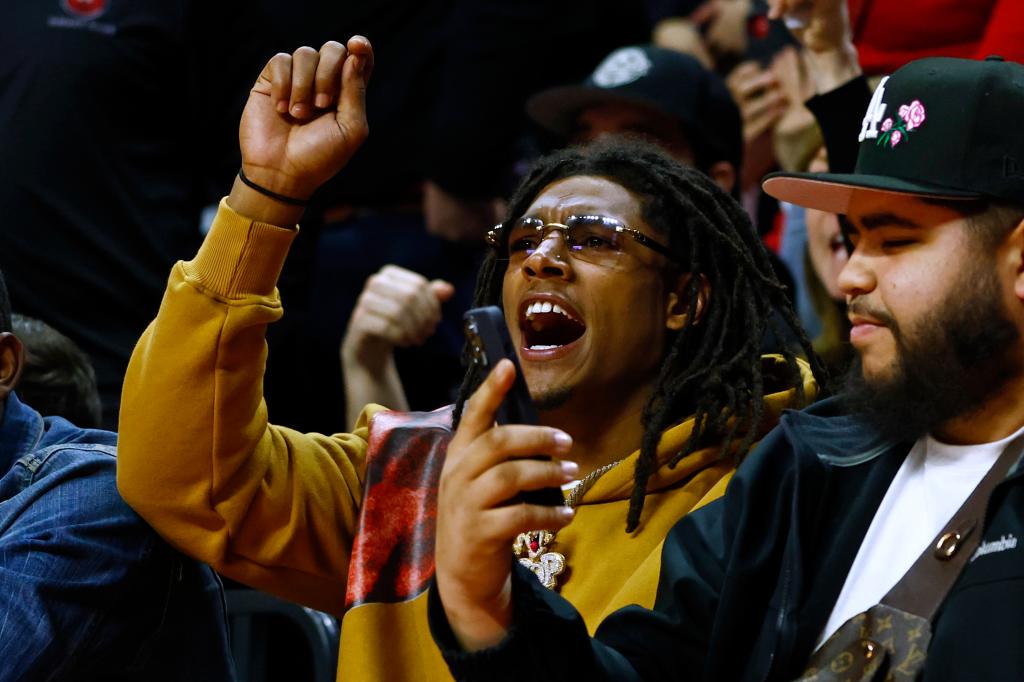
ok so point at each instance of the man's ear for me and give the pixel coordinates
(679, 302)
(12, 358)
(1016, 243)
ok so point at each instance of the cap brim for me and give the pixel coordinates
(831, 192)
(556, 109)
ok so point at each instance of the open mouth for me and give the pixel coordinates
(546, 325)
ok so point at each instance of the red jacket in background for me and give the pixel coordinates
(889, 34)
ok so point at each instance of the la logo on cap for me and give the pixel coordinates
(86, 9)
(873, 117)
(890, 130)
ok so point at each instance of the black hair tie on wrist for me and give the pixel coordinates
(273, 195)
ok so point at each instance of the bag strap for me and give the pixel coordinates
(926, 584)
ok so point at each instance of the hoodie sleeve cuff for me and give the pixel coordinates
(539, 621)
(240, 257)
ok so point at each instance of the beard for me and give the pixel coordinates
(954, 359)
(552, 398)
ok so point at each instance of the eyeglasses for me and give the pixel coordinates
(593, 238)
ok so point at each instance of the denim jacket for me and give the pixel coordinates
(87, 590)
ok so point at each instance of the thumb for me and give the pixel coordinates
(355, 74)
(442, 289)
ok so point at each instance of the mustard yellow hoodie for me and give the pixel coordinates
(277, 509)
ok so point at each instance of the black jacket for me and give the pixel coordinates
(748, 582)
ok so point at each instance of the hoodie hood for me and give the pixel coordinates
(617, 482)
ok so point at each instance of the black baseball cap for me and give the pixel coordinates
(668, 81)
(938, 127)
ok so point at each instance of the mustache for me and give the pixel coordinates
(859, 306)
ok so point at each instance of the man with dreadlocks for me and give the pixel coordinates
(638, 297)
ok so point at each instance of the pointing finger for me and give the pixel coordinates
(478, 416)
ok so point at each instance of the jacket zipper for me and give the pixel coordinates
(780, 620)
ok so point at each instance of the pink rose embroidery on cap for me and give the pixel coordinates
(895, 131)
(913, 114)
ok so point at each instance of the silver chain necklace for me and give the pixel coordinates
(586, 483)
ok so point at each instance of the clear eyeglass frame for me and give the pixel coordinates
(592, 238)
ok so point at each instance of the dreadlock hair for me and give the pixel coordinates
(712, 369)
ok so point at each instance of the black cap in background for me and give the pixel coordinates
(668, 81)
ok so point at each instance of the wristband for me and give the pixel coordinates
(273, 195)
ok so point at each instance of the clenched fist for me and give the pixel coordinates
(305, 118)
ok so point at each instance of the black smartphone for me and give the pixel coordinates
(489, 342)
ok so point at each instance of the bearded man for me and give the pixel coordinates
(868, 524)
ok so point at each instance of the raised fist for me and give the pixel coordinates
(306, 116)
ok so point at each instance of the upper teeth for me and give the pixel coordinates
(545, 307)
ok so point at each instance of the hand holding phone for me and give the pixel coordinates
(490, 342)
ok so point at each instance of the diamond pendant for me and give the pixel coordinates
(532, 551)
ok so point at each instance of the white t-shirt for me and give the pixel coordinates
(930, 486)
